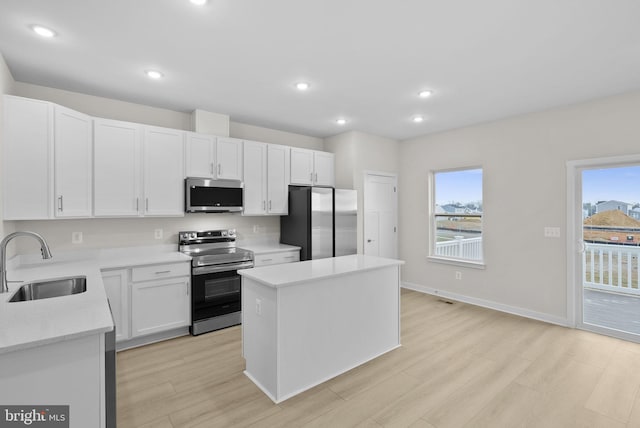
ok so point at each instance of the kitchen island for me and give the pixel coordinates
(305, 323)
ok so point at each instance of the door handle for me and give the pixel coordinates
(269, 205)
(211, 168)
(219, 169)
(60, 206)
(137, 204)
(369, 240)
(146, 206)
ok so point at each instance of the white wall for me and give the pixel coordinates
(100, 233)
(357, 152)
(6, 87)
(273, 136)
(524, 166)
(106, 107)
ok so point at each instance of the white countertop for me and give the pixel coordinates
(38, 322)
(294, 273)
(268, 248)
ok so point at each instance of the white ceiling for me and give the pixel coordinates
(366, 60)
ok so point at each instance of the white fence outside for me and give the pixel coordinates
(611, 267)
(461, 248)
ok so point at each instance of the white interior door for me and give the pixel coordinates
(380, 215)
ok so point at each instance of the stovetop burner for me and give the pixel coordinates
(213, 247)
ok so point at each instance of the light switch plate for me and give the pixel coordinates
(76, 237)
(158, 233)
(551, 232)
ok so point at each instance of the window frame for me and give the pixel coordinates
(433, 234)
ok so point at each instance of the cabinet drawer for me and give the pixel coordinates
(277, 258)
(149, 273)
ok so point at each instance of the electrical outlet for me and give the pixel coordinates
(256, 228)
(158, 233)
(76, 237)
(458, 274)
(258, 306)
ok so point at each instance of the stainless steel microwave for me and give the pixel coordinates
(204, 195)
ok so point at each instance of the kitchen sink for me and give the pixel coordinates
(50, 288)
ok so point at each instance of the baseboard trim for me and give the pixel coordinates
(488, 304)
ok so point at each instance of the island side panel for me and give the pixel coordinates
(69, 372)
(259, 336)
(329, 326)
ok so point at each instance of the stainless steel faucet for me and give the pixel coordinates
(44, 249)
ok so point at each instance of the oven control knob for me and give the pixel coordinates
(192, 235)
(224, 233)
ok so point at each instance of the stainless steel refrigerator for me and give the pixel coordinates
(321, 221)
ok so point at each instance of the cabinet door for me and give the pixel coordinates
(163, 172)
(27, 159)
(323, 165)
(278, 175)
(229, 158)
(200, 155)
(160, 305)
(117, 287)
(73, 160)
(255, 178)
(117, 168)
(301, 167)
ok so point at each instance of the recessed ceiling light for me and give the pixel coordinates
(302, 86)
(199, 2)
(418, 119)
(425, 94)
(43, 31)
(341, 121)
(154, 74)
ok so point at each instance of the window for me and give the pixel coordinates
(457, 215)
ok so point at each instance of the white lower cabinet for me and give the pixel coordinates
(159, 305)
(116, 285)
(149, 299)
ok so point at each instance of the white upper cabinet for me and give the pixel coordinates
(200, 155)
(27, 159)
(266, 178)
(229, 158)
(163, 172)
(312, 168)
(323, 165)
(72, 163)
(255, 178)
(301, 166)
(117, 168)
(278, 163)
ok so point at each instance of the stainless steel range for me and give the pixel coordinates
(215, 283)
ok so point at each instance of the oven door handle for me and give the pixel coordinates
(224, 268)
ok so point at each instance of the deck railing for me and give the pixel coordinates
(605, 266)
(611, 267)
(461, 248)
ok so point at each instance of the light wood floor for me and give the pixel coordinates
(459, 366)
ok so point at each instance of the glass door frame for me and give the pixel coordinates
(575, 241)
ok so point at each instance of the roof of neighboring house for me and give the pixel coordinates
(612, 201)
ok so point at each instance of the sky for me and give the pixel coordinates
(620, 184)
(458, 186)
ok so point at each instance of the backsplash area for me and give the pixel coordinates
(108, 233)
